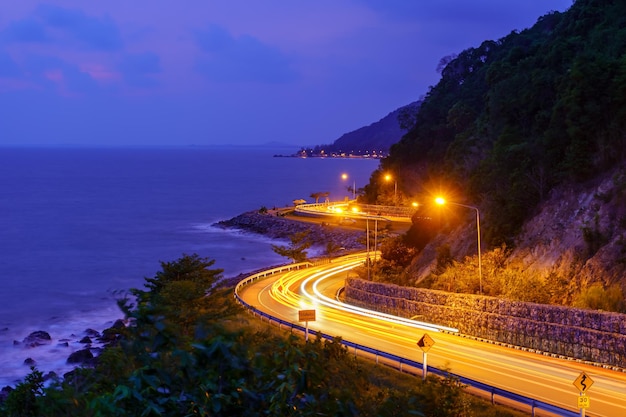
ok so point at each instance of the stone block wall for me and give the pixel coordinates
(581, 334)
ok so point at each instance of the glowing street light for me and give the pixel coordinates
(345, 177)
(388, 177)
(441, 201)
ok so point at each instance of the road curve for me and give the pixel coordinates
(544, 378)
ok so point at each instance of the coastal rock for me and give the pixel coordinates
(92, 333)
(37, 338)
(82, 356)
(281, 227)
(113, 334)
(29, 362)
(85, 339)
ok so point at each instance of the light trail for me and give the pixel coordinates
(537, 376)
(336, 304)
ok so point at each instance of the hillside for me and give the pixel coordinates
(576, 238)
(373, 140)
(530, 130)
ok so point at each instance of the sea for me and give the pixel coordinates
(81, 226)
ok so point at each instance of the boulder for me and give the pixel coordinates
(92, 333)
(80, 357)
(37, 338)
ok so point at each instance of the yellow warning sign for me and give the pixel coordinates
(425, 342)
(583, 382)
(306, 315)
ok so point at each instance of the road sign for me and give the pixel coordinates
(583, 401)
(583, 382)
(425, 342)
(306, 315)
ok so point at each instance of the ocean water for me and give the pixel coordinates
(78, 226)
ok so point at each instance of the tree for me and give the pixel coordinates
(296, 250)
(331, 248)
(319, 195)
(187, 268)
(22, 401)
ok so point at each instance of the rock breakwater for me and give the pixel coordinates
(282, 227)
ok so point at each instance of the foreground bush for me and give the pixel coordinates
(204, 359)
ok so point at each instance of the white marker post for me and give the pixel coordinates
(425, 343)
(306, 316)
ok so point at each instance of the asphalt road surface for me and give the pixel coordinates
(534, 375)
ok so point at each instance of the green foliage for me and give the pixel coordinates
(593, 237)
(395, 250)
(444, 257)
(180, 293)
(500, 278)
(511, 119)
(331, 248)
(23, 401)
(442, 397)
(189, 268)
(227, 368)
(597, 297)
(296, 250)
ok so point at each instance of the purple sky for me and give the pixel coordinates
(164, 72)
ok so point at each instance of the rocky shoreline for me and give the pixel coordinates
(275, 225)
(88, 346)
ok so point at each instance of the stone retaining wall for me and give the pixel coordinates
(582, 334)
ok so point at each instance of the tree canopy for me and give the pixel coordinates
(512, 118)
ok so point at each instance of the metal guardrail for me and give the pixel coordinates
(493, 392)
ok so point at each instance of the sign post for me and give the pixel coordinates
(425, 343)
(306, 316)
(583, 383)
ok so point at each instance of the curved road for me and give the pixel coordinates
(536, 376)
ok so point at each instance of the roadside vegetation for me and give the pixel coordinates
(501, 277)
(509, 121)
(189, 350)
(513, 118)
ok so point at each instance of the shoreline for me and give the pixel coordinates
(61, 345)
(276, 224)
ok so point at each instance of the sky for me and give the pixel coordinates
(228, 72)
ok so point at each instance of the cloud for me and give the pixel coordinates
(8, 67)
(242, 59)
(70, 27)
(52, 73)
(99, 33)
(26, 30)
(139, 70)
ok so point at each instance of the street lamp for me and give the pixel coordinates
(395, 187)
(441, 201)
(345, 177)
(367, 221)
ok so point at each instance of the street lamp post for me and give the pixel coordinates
(395, 187)
(367, 231)
(442, 201)
(345, 177)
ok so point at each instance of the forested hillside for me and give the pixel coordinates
(517, 122)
